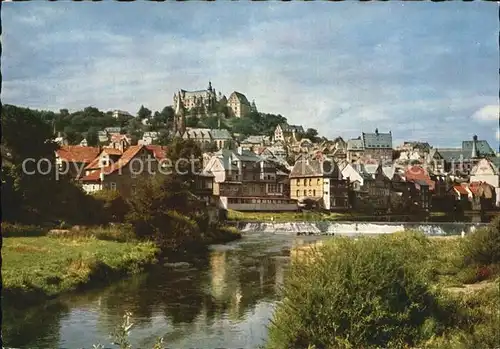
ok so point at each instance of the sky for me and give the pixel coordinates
(425, 71)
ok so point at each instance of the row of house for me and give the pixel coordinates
(242, 180)
(256, 175)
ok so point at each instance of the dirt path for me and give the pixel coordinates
(472, 287)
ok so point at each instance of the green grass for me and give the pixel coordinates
(48, 265)
(286, 216)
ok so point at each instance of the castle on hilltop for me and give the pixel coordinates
(208, 100)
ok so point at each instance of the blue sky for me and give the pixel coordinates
(425, 71)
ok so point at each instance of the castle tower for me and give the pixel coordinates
(253, 106)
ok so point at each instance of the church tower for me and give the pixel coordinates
(180, 117)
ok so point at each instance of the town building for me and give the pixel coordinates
(149, 138)
(117, 170)
(285, 132)
(321, 182)
(239, 105)
(370, 146)
(121, 113)
(485, 171)
(459, 161)
(244, 181)
(72, 159)
(204, 136)
(252, 142)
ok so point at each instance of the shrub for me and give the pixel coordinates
(114, 205)
(358, 294)
(483, 246)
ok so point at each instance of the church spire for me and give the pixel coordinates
(179, 118)
(474, 147)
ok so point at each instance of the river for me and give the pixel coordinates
(225, 301)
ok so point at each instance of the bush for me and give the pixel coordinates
(358, 294)
(114, 205)
(483, 246)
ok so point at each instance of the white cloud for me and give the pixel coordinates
(319, 70)
(487, 113)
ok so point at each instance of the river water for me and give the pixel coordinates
(224, 301)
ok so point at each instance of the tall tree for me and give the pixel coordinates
(92, 137)
(311, 134)
(144, 113)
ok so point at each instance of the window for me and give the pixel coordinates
(298, 193)
(309, 181)
(305, 193)
(317, 182)
(298, 182)
(112, 185)
(314, 192)
(305, 183)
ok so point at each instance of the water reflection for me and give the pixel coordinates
(32, 327)
(226, 301)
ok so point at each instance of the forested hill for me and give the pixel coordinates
(86, 123)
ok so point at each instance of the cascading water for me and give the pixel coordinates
(355, 228)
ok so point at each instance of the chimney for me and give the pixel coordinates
(474, 147)
(376, 131)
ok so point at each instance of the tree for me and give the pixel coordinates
(166, 116)
(115, 207)
(143, 113)
(211, 122)
(161, 211)
(311, 134)
(92, 137)
(209, 147)
(192, 121)
(30, 194)
(243, 126)
(164, 137)
(188, 150)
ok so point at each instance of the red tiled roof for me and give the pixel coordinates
(94, 164)
(461, 189)
(128, 155)
(77, 153)
(158, 151)
(112, 151)
(414, 173)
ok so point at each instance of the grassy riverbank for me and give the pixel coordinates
(393, 291)
(286, 216)
(38, 264)
(311, 216)
(47, 266)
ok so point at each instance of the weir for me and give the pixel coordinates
(355, 228)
